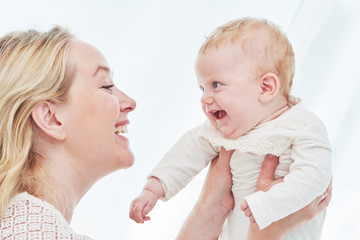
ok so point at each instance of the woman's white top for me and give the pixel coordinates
(300, 140)
(28, 218)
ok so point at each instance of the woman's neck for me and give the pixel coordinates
(64, 187)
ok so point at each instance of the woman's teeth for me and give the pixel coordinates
(121, 130)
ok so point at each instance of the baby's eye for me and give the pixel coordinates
(202, 88)
(108, 87)
(216, 84)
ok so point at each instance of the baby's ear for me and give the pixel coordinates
(270, 86)
(45, 117)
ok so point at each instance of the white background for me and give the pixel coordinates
(152, 46)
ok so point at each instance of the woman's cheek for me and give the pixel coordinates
(111, 106)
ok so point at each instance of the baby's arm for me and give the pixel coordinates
(183, 162)
(179, 165)
(308, 177)
(146, 201)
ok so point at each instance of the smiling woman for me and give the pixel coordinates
(95, 107)
(57, 101)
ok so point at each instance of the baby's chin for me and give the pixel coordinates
(228, 132)
(231, 134)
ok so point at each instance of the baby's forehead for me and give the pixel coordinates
(225, 59)
(254, 50)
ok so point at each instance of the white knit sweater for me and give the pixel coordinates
(28, 217)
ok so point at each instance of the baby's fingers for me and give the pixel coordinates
(252, 219)
(131, 211)
(148, 207)
(243, 205)
(138, 213)
(248, 213)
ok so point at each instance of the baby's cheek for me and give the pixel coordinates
(213, 122)
(203, 107)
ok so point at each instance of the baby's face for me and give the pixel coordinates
(227, 77)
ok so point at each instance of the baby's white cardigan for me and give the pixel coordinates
(297, 136)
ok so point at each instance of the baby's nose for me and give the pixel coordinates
(206, 99)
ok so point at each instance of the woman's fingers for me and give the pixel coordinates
(267, 172)
(268, 167)
(325, 198)
(224, 157)
(325, 201)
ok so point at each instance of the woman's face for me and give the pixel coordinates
(96, 114)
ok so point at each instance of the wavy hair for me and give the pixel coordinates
(33, 68)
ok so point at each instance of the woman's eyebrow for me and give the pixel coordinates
(102, 67)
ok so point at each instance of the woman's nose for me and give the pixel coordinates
(127, 104)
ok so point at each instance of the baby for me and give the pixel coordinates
(245, 70)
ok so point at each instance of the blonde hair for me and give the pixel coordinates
(33, 68)
(261, 39)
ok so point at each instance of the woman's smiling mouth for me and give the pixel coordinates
(119, 130)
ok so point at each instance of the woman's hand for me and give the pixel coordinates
(216, 190)
(214, 204)
(264, 183)
(279, 229)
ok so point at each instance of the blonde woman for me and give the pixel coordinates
(57, 101)
(61, 125)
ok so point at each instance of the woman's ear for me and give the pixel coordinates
(270, 84)
(44, 116)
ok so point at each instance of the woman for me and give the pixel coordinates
(61, 126)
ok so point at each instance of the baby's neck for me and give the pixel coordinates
(278, 112)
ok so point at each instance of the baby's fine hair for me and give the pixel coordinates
(33, 68)
(263, 40)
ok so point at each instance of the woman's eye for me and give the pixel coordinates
(108, 87)
(216, 84)
(202, 88)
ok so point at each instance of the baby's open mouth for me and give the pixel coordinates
(219, 114)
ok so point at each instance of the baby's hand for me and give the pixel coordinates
(247, 211)
(142, 205)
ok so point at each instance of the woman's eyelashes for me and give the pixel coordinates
(108, 87)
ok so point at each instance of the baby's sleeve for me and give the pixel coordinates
(309, 176)
(183, 162)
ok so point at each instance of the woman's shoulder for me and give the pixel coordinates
(28, 217)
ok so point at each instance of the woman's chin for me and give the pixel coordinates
(126, 160)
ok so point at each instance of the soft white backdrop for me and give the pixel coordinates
(152, 45)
